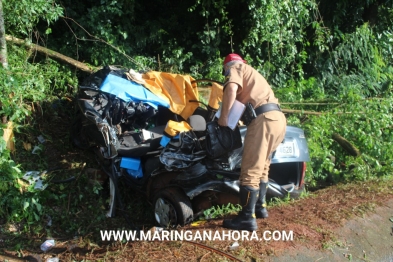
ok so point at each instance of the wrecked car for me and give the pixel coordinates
(149, 129)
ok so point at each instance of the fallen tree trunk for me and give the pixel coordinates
(82, 66)
(346, 145)
(309, 103)
(304, 112)
(292, 111)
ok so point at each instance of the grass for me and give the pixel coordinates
(219, 212)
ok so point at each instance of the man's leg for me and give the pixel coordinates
(260, 206)
(245, 220)
(264, 135)
(252, 165)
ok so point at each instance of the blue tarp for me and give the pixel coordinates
(131, 91)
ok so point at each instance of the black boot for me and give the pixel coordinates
(260, 207)
(245, 220)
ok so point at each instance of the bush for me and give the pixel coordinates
(365, 123)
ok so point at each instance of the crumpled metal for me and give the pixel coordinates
(186, 154)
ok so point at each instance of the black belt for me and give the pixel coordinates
(266, 108)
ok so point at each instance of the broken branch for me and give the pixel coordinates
(82, 66)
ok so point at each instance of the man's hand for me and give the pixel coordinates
(223, 121)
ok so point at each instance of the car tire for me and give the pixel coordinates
(172, 207)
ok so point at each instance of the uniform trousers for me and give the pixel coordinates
(264, 134)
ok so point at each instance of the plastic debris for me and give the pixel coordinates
(36, 149)
(49, 224)
(34, 177)
(135, 76)
(234, 246)
(198, 223)
(158, 229)
(53, 259)
(41, 139)
(47, 245)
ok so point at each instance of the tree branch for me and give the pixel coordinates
(97, 39)
(82, 66)
(346, 145)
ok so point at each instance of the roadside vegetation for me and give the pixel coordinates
(329, 62)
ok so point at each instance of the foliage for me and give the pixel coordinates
(366, 123)
(276, 37)
(29, 82)
(343, 72)
(10, 173)
(16, 206)
(28, 209)
(26, 14)
(26, 83)
(23, 87)
(287, 41)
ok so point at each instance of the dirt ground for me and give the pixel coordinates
(365, 238)
(316, 222)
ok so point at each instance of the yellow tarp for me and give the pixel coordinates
(174, 128)
(216, 94)
(9, 136)
(176, 89)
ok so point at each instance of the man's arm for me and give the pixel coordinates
(228, 99)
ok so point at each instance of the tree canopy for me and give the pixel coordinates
(290, 42)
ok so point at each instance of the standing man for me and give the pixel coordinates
(264, 134)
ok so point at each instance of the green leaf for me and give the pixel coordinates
(36, 217)
(39, 207)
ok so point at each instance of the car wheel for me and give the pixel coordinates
(172, 207)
